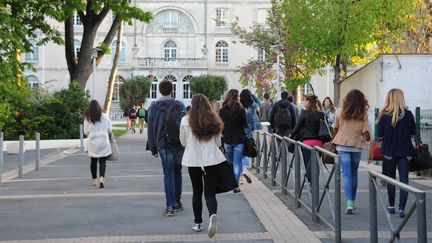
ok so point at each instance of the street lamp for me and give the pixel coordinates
(277, 48)
(94, 56)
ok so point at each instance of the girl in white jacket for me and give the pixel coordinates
(97, 127)
(200, 134)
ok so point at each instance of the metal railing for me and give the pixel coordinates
(419, 204)
(293, 172)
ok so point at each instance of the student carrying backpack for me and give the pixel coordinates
(163, 126)
(172, 119)
(141, 117)
(282, 118)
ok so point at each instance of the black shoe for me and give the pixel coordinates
(168, 213)
(178, 207)
(248, 179)
(236, 190)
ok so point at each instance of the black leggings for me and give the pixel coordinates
(210, 181)
(102, 166)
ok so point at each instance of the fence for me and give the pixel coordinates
(292, 174)
(419, 205)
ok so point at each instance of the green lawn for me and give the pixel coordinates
(118, 133)
(119, 125)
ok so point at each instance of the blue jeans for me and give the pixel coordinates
(172, 169)
(234, 154)
(403, 165)
(350, 162)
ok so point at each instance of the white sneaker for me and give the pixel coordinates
(94, 182)
(212, 225)
(197, 228)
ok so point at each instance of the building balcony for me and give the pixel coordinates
(149, 62)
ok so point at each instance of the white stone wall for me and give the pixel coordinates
(52, 63)
(413, 76)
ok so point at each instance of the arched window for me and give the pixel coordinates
(187, 94)
(170, 50)
(153, 88)
(77, 45)
(116, 92)
(77, 20)
(174, 81)
(261, 55)
(221, 52)
(122, 58)
(33, 55)
(33, 81)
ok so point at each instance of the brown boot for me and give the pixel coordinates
(101, 182)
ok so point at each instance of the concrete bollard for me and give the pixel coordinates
(21, 156)
(81, 138)
(37, 150)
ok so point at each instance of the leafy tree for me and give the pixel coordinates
(334, 31)
(271, 39)
(258, 75)
(92, 13)
(134, 91)
(211, 86)
(20, 22)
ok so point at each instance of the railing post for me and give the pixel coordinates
(273, 163)
(37, 150)
(421, 217)
(81, 138)
(265, 152)
(315, 184)
(297, 174)
(284, 161)
(338, 220)
(1, 155)
(258, 145)
(21, 156)
(373, 218)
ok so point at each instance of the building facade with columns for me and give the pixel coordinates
(185, 39)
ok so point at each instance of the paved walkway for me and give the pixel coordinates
(355, 227)
(57, 204)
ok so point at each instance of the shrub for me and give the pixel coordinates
(134, 91)
(209, 85)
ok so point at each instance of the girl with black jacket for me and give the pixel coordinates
(309, 123)
(234, 118)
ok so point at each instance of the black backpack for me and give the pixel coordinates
(283, 117)
(172, 118)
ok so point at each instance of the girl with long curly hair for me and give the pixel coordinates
(351, 128)
(200, 134)
(396, 126)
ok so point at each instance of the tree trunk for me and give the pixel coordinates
(340, 71)
(113, 74)
(80, 67)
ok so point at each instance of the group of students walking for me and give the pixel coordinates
(132, 115)
(194, 139)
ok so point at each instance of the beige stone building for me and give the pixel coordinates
(185, 39)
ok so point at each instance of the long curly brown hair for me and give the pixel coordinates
(203, 120)
(355, 105)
